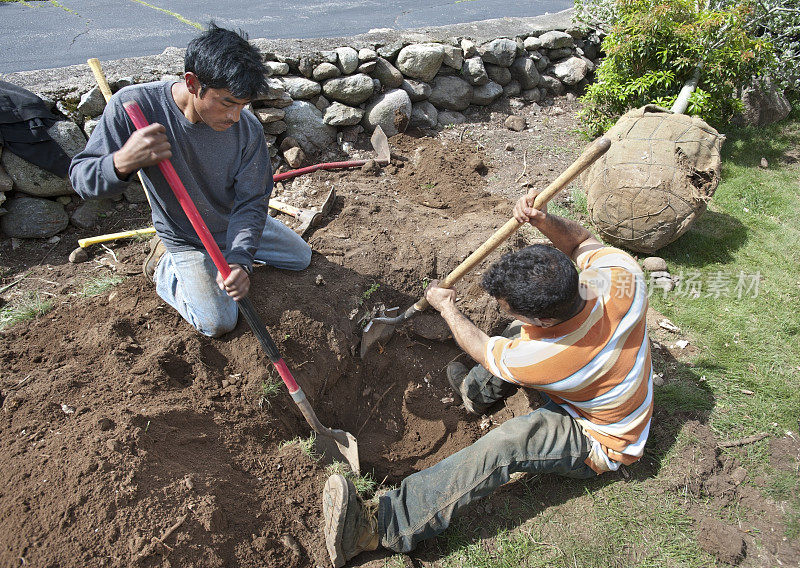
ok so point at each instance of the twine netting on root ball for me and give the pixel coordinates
(656, 179)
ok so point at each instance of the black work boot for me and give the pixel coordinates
(157, 250)
(456, 373)
(351, 525)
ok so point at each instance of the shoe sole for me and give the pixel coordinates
(334, 508)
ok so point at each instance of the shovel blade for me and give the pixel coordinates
(338, 446)
(377, 332)
(381, 146)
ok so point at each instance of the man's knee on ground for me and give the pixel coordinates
(218, 325)
(301, 260)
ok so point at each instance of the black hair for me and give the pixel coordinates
(537, 282)
(223, 59)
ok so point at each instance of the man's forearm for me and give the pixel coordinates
(565, 234)
(471, 339)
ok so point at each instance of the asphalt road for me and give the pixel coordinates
(47, 34)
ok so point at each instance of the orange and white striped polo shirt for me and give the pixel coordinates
(597, 364)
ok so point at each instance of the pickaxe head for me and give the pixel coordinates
(310, 218)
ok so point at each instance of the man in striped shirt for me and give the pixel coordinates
(579, 339)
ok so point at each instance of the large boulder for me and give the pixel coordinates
(556, 40)
(348, 59)
(387, 74)
(92, 103)
(32, 179)
(304, 123)
(351, 90)
(524, 71)
(33, 218)
(300, 88)
(486, 94)
(450, 93)
(571, 71)
(474, 71)
(499, 52)
(420, 61)
(338, 114)
(391, 111)
(656, 179)
(424, 115)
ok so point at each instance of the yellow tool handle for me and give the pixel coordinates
(105, 88)
(149, 231)
(284, 207)
(587, 158)
(100, 77)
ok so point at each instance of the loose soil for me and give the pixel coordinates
(129, 439)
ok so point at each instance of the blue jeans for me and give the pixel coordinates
(548, 440)
(186, 280)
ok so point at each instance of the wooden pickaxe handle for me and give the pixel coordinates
(105, 88)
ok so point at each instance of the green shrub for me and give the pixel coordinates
(655, 46)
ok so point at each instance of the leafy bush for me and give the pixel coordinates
(653, 47)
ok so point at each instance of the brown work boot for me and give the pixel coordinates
(157, 250)
(351, 525)
(456, 373)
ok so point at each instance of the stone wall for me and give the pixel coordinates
(322, 95)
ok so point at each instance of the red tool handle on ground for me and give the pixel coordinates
(315, 167)
(245, 306)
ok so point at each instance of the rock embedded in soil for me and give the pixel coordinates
(78, 255)
(449, 117)
(515, 123)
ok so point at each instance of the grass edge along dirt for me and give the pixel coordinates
(28, 307)
(751, 387)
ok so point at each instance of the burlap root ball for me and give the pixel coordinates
(655, 180)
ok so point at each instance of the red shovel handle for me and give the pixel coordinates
(139, 121)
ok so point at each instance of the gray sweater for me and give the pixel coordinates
(227, 174)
